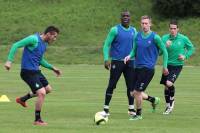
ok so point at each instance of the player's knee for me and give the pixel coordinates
(169, 83)
(132, 93)
(48, 89)
(41, 92)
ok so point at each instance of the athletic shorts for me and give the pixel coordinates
(35, 79)
(174, 72)
(142, 78)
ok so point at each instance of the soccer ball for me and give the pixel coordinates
(99, 119)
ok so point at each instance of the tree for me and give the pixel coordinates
(179, 8)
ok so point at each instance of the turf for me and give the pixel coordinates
(79, 94)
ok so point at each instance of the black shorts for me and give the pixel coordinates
(35, 79)
(174, 72)
(142, 78)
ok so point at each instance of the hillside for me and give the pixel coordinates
(84, 25)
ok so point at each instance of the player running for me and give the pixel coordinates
(179, 48)
(145, 51)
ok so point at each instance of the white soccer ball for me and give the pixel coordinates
(99, 119)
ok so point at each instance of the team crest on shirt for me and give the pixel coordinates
(149, 42)
(132, 33)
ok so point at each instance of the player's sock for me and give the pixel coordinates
(106, 108)
(37, 115)
(167, 95)
(107, 99)
(130, 98)
(171, 93)
(139, 112)
(27, 96)
(131, 108)
(150, 99)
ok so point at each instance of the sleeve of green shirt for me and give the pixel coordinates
(133, 51)
(28, 41)
(163, 49)
(110, 37)
(45, 64)
(189, 47)
(132, 54)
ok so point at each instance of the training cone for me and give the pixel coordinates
(4, 98)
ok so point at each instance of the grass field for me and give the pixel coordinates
(79, 94)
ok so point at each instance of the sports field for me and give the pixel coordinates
(79, 94)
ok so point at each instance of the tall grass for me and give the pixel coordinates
(84, 25)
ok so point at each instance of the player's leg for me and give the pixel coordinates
(144, 76)
(166, 91)
(129, 79)
(22, 100)
(174, 72)
(45, 83)
(146, 79)
(138, 100)
(41, 93)
(48, 89)
(115, 73)
(29, 78)
(152, 99)
(38, 106)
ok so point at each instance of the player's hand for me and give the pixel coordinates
(107, 65)
(57, 71)
(165, 71)
(168, 43)
(126, 59)
(181, 57)
(8, 65)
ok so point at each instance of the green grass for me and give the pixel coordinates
(79, 94)
(84, 25)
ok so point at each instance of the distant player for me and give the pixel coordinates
(145, 51)
(179, 48)
(34, 48)
(118, 45)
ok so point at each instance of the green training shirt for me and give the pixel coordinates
(179, 44)
(31, 42)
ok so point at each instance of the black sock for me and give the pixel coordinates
(131, 110)
(171, 93)
(167, 95)
(37, 115)
(139, 112)
(130, 98)
(107, 99)
(27, 96)
(106, 110)
(150, 99)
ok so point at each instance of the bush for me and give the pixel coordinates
(179, 8)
